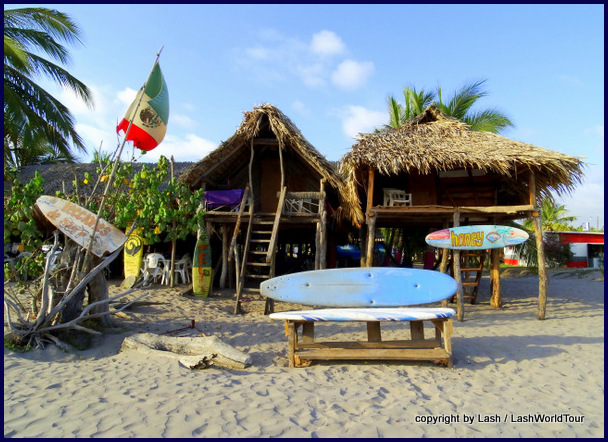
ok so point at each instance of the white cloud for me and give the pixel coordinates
(126, 96)
(326, 43)
(184, 121)
(597, 130)
(189, 148)
(352, 74)
(357, 119)
(276, 59)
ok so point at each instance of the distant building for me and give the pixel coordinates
(585, 246)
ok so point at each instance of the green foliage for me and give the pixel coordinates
(156, 208)
(37, 127)
(557, 253)
(164, 209)
(20, 227)
(553, 217)
(459, 106)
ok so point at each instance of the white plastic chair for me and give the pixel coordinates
(155, 267)
(396, 198)
(183, 267)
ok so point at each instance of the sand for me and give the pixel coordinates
(513, 376)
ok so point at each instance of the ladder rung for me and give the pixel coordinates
(259, 240)
(472, 269)
(259, 276)
(259, 264)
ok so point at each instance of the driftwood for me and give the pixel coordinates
(197, 352)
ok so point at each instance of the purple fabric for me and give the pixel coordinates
(217, 198)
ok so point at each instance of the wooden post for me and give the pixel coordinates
(371, 239)
(445, 254)
(495, 297)
(542, 274)
(457, 273)
(225, 248)
(318, 245)
(208, 227)
(323, 228)
(173, 244)
(370, 190)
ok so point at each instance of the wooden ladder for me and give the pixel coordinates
(471, 267)
(258, 253)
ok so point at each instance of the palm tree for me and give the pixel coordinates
(32, 116)
(415, 103)
(459, 107)
(552, 217)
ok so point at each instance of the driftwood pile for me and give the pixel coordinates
(191, 352)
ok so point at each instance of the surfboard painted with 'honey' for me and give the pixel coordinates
(476, 237)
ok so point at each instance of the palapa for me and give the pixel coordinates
(433, 142)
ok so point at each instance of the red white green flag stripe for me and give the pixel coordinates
(150, 121)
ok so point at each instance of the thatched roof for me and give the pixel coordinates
(215, 166)
(59, 176)
(433, 142)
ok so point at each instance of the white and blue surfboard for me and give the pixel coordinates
(361, 287)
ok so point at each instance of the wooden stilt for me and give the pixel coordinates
(371, 239)
(225, 247)
(542, 274)
(457, 273)
(495, 296)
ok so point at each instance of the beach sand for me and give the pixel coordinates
(512, 373)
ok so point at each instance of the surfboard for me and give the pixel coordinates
(361, 287)
(365, 314)
(201, 266)
(77, 223)
(134, 252)
(476, 237)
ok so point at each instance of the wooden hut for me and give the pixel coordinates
(267, 190)
(436, 172)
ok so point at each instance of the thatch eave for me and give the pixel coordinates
(432, 143)
(288, 136)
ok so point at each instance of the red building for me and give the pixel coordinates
(585, 246)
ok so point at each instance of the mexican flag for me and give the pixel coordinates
(150, 121)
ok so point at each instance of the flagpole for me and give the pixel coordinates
(115, 166)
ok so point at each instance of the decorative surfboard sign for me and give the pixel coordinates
(134, 252)
(201, 266)
(476, 237)
(361, 287)
(77, 223)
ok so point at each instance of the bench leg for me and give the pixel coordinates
(291, 343)
(417, 330)
(447, 340)
(308, 332)
(373, 332)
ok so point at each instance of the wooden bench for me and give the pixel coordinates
(356, 290)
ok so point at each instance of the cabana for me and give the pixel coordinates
(436, 172)
(268, 189)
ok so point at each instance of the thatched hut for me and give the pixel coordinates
(272, 179)
(450, 175)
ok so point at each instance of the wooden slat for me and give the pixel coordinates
(425, 354)
(400, 344)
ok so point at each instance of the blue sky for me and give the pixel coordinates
(330, 69)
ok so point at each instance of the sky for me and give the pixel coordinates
(331, 68)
